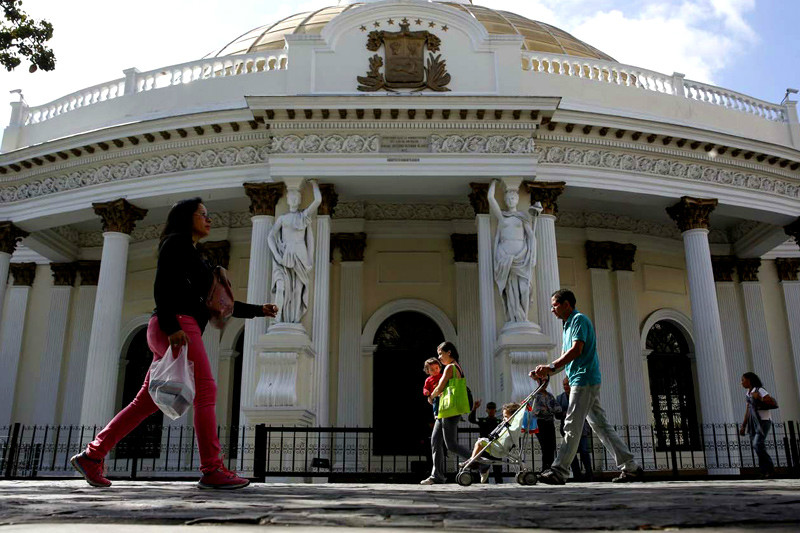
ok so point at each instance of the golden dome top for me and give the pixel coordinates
(539, 37)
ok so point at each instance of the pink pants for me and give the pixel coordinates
(205, 418)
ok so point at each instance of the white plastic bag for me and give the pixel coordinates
(172, 383)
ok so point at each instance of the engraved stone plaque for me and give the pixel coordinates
(401, 144)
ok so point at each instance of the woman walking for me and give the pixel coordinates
(445, 430)
(758, 420)
(183, 280)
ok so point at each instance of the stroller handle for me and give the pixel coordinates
(504, 424)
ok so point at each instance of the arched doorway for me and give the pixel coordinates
(144, 442)
(672, 388)
(402, 417)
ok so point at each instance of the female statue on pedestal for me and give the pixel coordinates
(514, 254)
(291, 242)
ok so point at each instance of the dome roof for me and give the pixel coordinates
(539, 37)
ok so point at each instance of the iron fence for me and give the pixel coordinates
(348, 454)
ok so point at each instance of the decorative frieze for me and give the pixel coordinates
(89, 272)
(478, 198)
(10, 235)
(465, 247)
(23, 273)
(793, 230)
(482, 144)
(64, 274)
(692, 213)
(598, 254)
(352, 245)
(723, 266)
(748, 268)
(119, 215)
(370, 211)
(216, 252)
(330, 199)
(263, 197)
(325, 144)
(546, 192)
(787, 268)
(622, 256)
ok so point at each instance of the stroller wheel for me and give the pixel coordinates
(528, 478)
(519, 478)
(464, 479)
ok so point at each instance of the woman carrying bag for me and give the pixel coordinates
(453, 402)
(183, 280)
(758, 420)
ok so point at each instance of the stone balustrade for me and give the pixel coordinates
(85, 97)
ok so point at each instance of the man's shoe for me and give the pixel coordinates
(627, 477)
(90, 469)
(222, 479)
(431, 481)
(550, 477)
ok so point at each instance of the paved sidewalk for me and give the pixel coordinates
(138, 506)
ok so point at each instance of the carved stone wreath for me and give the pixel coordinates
(482, 144)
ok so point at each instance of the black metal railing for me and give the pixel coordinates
(348, 454)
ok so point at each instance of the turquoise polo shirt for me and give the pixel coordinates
(585, 370)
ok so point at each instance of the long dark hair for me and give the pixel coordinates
(755, 381)
(180, 219)
(448, 346)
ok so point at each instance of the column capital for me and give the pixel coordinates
(89, 271)
(793, 230)
(478, 198)
(216, 252)
(329, 199)
(23, 273)
(723, 266)
(10, 235)
(64, 274)
(622, 256)
(465, 247)
(546, 192)
(352, 245)
(263, 197)
(748, 268)
(598, 254)
(119, 215)
(787, 268)
(692, 213)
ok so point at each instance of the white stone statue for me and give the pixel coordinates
(514, 253)
(291, 243)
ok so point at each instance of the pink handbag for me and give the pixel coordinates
(220, 299)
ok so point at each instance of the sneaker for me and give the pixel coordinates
(431, 481)
(550, 477)
(90, 469)
(222, 479)
(627, 477)
(485, 477)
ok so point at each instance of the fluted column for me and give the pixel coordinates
(350, 400)
(83, 311)
(321, 314)
(622, 259)
(10, 235)
(465, 255)
(100, 387)
(50, 365)
(547, 278)
(598, 255)
(732, 321)
(787, 274)
(480, 204)
(13, 329)
(263, 198)
(692, 216)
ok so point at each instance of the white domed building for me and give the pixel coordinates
(670, 207)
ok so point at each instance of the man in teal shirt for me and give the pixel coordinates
(583, 371)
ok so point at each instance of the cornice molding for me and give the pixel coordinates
(375, 211)
(610, 221)
(391, 124)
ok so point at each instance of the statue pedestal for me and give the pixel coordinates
(521, 346)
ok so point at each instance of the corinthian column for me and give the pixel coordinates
(465, 255)
(732, 321)
(547, 278)
(10, 235)
(12, 335)
(350, 401)
(216, 253)
(83, 311)
(50, 366)
(263, 198)
(483, 221)
(320, 329)
(100, 388)
(787, 274)
(691, 215)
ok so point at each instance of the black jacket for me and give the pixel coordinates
(183, 279)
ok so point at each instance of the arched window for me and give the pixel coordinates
(402, 417)
(672, 388)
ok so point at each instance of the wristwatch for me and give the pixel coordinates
(552, 367)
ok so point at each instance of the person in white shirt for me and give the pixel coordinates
(758, 420)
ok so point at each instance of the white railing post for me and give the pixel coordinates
(130, 80)
(677, 84)
(790, 116)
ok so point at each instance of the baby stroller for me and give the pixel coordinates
(505, 446)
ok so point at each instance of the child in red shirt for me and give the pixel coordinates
(434, 370)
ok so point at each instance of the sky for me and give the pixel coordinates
(748, 46)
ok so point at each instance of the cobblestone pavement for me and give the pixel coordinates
(741, 505)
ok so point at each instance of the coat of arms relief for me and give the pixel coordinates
(406, 67)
